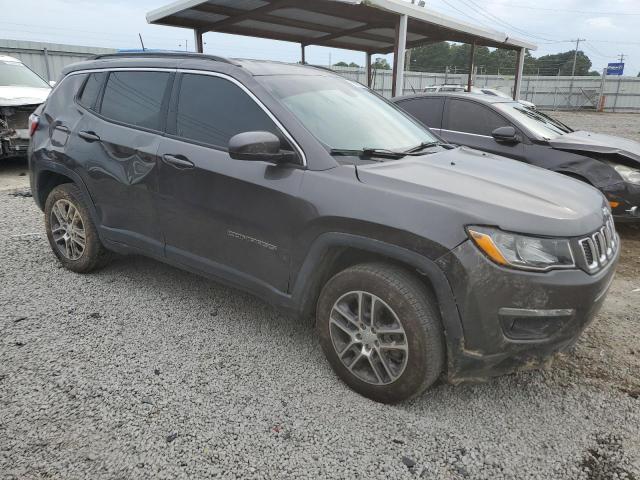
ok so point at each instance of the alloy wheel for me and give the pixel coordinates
(67, 229)
(369, 338)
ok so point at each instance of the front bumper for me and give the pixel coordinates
(515, 319)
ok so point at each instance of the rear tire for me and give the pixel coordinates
(71, 232)
(380, 329)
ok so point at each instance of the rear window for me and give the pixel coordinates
(135, 98)
(89, 95)
(16, 74)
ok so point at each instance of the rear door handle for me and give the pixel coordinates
(178, 161)
(89, 136)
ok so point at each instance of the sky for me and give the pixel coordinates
(610, 28)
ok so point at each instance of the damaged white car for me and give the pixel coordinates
(21, 91)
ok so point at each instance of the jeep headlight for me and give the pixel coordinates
(522, 251)
(628, 174)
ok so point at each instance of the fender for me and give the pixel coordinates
(48, 166)
(596, 172)
(307, 283)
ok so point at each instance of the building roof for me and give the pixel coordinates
(365, 25)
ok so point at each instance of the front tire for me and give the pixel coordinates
(379, 327)
(71, 232)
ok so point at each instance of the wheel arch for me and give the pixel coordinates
(51, 175)
(333, 252)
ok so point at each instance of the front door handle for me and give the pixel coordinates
(89, 136)
(178, 161)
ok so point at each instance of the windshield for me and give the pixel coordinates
(345, 115)
(542, 125)
(15, 74)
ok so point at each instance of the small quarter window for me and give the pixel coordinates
(91, 90)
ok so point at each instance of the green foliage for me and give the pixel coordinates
(381, 64)
(345, 64)
(438, 56)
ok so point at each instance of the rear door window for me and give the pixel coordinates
(427, 110)
(136, 98)
(211, 110)
(91, 89)
(472, 117)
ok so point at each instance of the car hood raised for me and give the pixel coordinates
(481, 188)
(16, 96)
(599, 143)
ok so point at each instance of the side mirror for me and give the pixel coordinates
(505, 135)
(258, 147)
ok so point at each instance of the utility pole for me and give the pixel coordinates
(573, 71)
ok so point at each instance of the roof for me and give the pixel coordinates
(480, 97)
(365, 25)
(195, 61)
(22, 45)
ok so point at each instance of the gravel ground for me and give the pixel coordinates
(142, 370)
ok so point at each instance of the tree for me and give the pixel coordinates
(341, 64)
(438, 56)
(354, 65)
(381, 64)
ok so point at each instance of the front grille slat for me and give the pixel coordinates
(599, 248)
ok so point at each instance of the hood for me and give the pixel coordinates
(16, 96)
(480, 188)
(598, 143)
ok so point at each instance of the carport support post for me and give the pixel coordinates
(197, 36)
(472, 64)
(399, 55)
(303, 54)
(519, 71)
(368, 70)
(46, 64)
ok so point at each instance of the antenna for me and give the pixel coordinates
(141, 42)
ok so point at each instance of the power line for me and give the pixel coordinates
(580, 12)
(477, 8)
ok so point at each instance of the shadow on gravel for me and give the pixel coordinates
(606, 460)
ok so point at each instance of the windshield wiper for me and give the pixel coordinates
(368, 153)
(383, 152)
(422, 146)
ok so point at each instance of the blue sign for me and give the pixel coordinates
(615, 69)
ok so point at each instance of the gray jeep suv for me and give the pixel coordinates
(418, 260)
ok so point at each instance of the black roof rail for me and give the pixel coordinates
(202, 56)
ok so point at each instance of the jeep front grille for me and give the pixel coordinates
(600, 248)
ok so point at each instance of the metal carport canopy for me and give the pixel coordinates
(371, 26)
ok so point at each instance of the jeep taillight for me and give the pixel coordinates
(34, 121)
